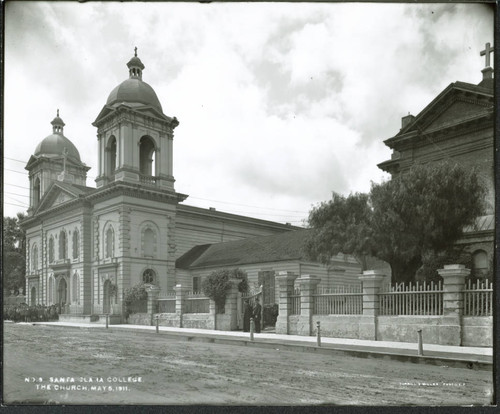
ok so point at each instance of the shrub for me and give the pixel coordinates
(134, 295)
(217, 284)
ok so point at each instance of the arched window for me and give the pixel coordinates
(480, 263)
(109, 243)
(149, 276)
(36, 192)
(34, 258)
(76, 244)
(111, 157)
(63, 245)
(149, 242)
(147, 156)
(50, 293)
(75, 293)
(51, 249)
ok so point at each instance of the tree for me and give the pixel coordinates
(13, 254)
(416, 214)
(423, 212)
(217, 284)
(341, 225)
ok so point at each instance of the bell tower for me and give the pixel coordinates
(135, 137)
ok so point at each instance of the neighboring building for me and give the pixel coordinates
(86, 245)
(458, 125)
(261, 258)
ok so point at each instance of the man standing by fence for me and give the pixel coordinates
(257, 313)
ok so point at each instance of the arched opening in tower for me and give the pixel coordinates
(147, 155)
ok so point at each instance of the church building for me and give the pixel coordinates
(87, 245)
(458, 125)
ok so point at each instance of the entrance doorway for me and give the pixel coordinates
(62, 292)
(33, 296)
(269, 305)
(106, 301)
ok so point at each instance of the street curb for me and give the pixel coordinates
(331, 349)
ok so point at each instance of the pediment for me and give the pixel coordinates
(55, 196)
(458, 103)
(458, 111)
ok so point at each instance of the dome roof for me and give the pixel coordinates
(55, 144)
(134, 90)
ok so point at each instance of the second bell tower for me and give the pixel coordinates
(135, 138)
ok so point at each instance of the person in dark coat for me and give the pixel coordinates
(257, 313)
(247, 314)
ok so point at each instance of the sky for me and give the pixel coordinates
(279, 104)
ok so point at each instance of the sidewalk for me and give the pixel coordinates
(470, 357)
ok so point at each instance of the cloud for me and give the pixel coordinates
(279, 104)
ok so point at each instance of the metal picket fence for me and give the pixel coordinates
(338, 300)
(478, 298)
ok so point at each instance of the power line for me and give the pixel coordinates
(19, 186)
(20, 195)
(12, 204)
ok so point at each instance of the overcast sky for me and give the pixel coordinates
(279, 104)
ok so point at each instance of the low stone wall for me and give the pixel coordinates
(477, 331)
(198, 321)
(139, 319)
(435, 329)
(167, 319)
(338, 326)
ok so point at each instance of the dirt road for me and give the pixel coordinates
(53, 365)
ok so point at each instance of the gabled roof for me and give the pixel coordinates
(458, 103)
(285, 246)
(60, 192)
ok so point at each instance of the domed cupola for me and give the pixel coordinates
(134, 91)
(135, 137)
(55, 159)
(56, 144)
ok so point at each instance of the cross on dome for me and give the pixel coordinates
(486, 52)
(135, 51)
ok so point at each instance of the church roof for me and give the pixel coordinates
(54, 144)
(134, 90)
(285, 246)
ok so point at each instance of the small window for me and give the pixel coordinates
(34, 258)
(149, 276)
(149, 242)
(196, 284)
(63, 245)
(109, 243)
(76, 244)
(51, 249)
(76, 289)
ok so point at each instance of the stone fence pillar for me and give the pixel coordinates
(372, 281)
(308, 285)
(453, 303)
(153, 293)
(180, 301)
(285, 281)
(231, 304)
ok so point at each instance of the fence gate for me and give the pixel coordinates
(251, 296)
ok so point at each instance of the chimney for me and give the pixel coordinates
(406, 120)
(211, 208)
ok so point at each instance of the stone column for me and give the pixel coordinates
(180, 300)
(453, 303)
(308, 285)
(372, 281)
(153, 292)
(285, 282)
(213, 315)
(231, 305)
